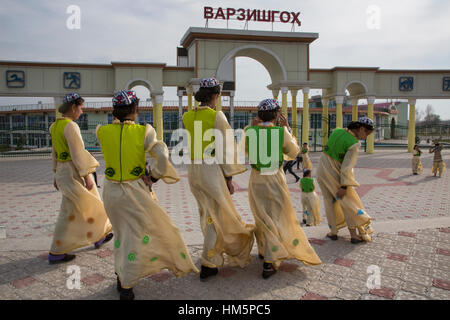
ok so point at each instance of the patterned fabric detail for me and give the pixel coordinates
(268, 104)
(209, 82)
(71, 97)
(110, 172)
(124, 98)
(366, 121)
(63, 156)
(137, 171)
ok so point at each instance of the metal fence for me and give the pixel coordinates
(31, 139)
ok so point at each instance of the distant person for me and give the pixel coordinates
(306, 163)
(279, 235)
(438, 163)
(343, 206)
(82, 219)
(416, 163)
(310, 200)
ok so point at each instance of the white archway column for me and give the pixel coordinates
(325, 124)
(180, 108)
(339, 119)
(412, 124)
(158, 115)
(284, 91)
(189, 92)
(371, 137)
(232, 109)
(305, 116)
(294, 113)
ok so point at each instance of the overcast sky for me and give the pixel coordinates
(413, 34)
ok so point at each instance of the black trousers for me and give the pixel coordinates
(288, 167)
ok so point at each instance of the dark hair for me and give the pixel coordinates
(305, 142)
(268, 115)
(356, 125)
(65, 107)
(306, 172)
(121, 112)
(204, 95)
(415, 146)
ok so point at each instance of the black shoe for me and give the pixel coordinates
(127, 294)
(354, 241)
(304, 221)
(261, 256)
(268, 270)
(67, 258)
(296, 179)
(332, 237)
(415, 174)
(101, 242)
(207, 272)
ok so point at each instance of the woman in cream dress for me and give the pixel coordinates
(335, 176)
(210, 179)
(278, 232)
(82, 219)
(146, 239)
(416, 163)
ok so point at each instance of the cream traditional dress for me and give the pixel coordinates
(438, 163)
(82, 220)
(223, 229)
(416, 163)
(146, 239)
(331, 175)
(311, 205)
(278, 232)
(306, 162)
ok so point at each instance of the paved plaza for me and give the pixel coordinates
(410, 248)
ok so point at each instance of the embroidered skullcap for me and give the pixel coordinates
(366, 121)
(124, 98)
(268, 104)
(209, 82)
(71, 97)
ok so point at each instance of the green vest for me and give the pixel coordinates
(207, 118)
(262, 149)
(59, 141)
(338, 144)
(123, 148)
(304, 150)
(418, 153)
(307, 184)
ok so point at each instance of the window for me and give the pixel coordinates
(51, 119)
(347, 119)
(4, 123)
(241, 120)
(83, 122)
(170, 120)
(36, 122)
(5, 139)
(36, 140)
(18, 122)
(145, 117)
(315, 121)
